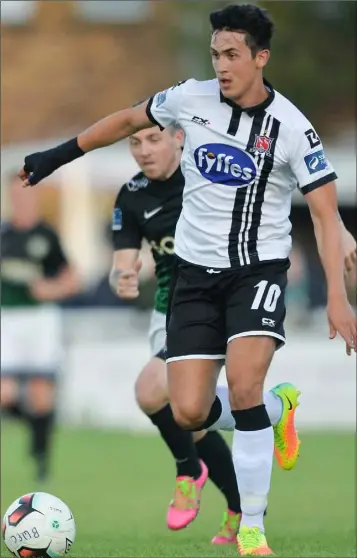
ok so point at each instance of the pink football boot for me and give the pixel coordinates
(185, 505)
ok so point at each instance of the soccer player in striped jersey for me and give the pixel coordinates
(246, 149)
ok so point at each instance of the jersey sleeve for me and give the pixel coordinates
(308, 162)
(125, 227)
(56, 259)
(163, 108)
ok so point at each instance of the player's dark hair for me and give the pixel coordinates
(245, 18)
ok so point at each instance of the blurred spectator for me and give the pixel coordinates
(35, 274)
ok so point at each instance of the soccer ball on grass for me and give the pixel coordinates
(38, 525)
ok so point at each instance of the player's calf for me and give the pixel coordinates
(152, 398)
(151, 387)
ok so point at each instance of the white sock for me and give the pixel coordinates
(272, 402)
(226, 420)
(273, 405)
(252, 454)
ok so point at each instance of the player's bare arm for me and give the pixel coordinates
(323, 208)
(107, 131)
(115, 127)
(349, 248)
(348, 243)
(64, 285)
(124, 275)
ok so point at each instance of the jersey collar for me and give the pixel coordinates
(257, 108)
(174, 180)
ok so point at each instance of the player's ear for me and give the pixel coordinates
(179, 136)
(262, 58)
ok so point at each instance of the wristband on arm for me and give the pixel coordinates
(66, 152)
(42, 164)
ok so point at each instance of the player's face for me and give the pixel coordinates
(156, 152)
(24, 203)
(233, 62)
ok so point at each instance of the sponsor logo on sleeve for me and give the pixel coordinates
(316, 162)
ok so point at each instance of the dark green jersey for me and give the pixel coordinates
(150, 209)
(27, 255)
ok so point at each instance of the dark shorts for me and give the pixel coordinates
(208, 308)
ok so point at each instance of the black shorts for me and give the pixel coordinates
(210, 307)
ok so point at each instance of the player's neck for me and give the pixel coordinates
(23, 224)
(171, 169)
(256, 95)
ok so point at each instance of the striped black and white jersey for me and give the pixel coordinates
(240, 167)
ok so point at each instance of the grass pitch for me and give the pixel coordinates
(119, 485)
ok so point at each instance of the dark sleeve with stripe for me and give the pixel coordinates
(163, 108)
(126, 232)
(150, 115)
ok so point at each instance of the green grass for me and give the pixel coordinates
(119, 485)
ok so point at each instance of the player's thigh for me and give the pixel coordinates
(14, 355)
(31, 340)
(151, 390)
(196, 326)
(45, 339)
(9, 390)
(255, 329)
(195, 344)
(14, 330)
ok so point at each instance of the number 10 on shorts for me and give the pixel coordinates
(271, 296)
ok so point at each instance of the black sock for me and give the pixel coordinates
(41, 429)
(255, 418)
(179, 442)
(213, 416)
(214, 451)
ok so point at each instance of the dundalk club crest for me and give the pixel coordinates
(262, 145)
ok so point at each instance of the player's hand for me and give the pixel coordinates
(349, 250)
(342, 320)
(43, 289)
(38, 166)
(127, 285)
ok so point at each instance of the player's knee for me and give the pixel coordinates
(244, 395)
(189, 416)
(151, 387)
(247, 363)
